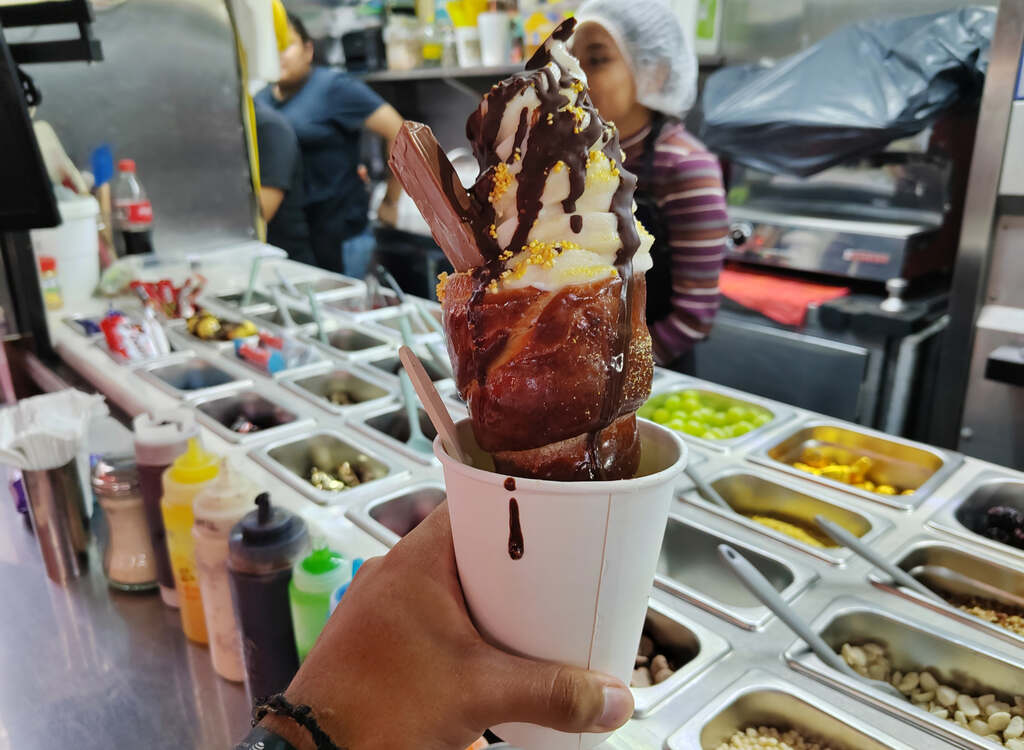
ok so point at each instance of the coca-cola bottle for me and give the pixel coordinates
(133, 213)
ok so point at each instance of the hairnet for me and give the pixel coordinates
(651, 39)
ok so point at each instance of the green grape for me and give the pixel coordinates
(661, 416)
(645, 411)
(655, 402)
(676, 423)
(742, 428)
(736, 414)
(673, 402)
(690, 393)
(719, 419)
(762, 419)
(703, 414)
(695, 428)
(716, 433)
(691, 404)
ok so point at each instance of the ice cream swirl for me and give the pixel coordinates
(556, 202)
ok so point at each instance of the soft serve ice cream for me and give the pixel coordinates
(545, 313)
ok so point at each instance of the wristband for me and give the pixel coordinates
(263, 739)
(299, 713)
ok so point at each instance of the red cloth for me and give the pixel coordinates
(783, 300)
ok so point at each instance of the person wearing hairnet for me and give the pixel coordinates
(642, 74)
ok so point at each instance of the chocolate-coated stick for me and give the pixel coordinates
(421, 166)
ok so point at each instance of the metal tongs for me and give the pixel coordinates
(760, 587)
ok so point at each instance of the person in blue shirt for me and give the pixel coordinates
(329, 110)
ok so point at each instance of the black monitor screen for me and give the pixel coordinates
(26, 196)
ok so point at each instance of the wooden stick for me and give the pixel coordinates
(433, 405)
(420, 164)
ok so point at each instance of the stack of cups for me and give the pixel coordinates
(561, 571)
(159, 439)
(495, 37)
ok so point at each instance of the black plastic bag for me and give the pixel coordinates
(848, 95)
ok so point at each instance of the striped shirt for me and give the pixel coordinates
(686, 184)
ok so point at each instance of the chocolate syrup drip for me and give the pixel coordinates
(559, 136)
(515, 531)
(510, 484)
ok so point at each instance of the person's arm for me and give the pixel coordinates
(270, 200)
(691, 199)
(400, 664)
(386, 122)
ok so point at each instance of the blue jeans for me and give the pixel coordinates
(356, 252)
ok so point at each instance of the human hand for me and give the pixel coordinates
(401, 665)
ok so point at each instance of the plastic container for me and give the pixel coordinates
(572, 582)
(133, 213)
(128, 560)
(314, 579)
(467, 46)
(52, 297)
(220, 505)
(404, 43)
(159, 439)
(263, 548)
(74, 245)
(190, 473)
(495, 37)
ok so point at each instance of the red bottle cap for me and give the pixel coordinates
(47, 263)
(126, 165)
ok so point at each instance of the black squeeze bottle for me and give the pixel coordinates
(263, 548)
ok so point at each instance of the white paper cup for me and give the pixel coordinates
(578, 594)
(495, 37)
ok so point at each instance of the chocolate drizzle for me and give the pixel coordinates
(510, 484)
(555, 134)
(515, 530)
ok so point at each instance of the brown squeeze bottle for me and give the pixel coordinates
(263, 548)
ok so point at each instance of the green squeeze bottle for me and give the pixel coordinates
(314, 579)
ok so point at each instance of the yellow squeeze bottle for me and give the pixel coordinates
(191, 472)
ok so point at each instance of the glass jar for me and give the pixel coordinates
(128, 560)
(403, 41)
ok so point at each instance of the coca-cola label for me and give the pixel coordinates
(134, 212)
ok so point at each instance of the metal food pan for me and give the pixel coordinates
(363, 389)
(900, 463)
(272, 315)
(753, 492)
(912, 645)
(950, 570)
(690, 567)
(293, 457)
(324, 288)
(781, 413)
(390, 318)
(759, 698)
(187, 376)
(219, 412)
(692, 647)
(389, 364)
(390, 425)
(75, 323)
(305, 358)
(363, 302)
(348, 340)
(965, 513)
(177, 333)
(391, 517)
(234, 299)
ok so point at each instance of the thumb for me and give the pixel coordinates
(566, 698)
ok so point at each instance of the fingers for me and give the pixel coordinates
(566, 698)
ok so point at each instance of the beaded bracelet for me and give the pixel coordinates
(299, 713)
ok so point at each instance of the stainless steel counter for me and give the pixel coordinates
(90, 668)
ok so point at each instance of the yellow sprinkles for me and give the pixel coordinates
(442, 285)
(502, 182)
